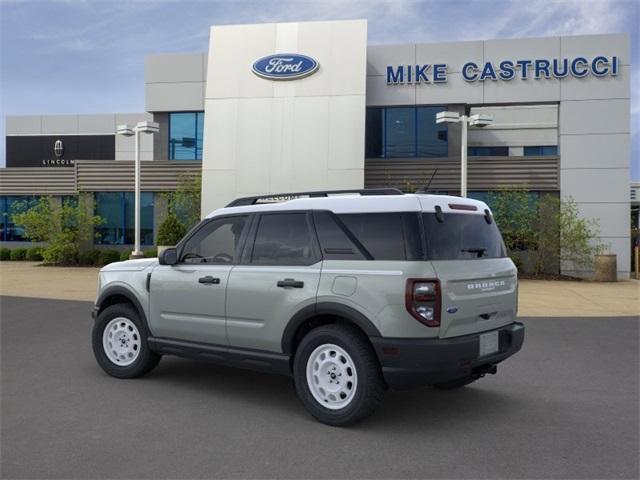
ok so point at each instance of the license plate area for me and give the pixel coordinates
(489, 343)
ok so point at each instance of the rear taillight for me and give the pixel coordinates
(422, 298)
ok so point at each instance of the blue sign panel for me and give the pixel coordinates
(506, 70)
(285, 66)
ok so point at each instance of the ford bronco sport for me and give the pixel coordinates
(349, 294)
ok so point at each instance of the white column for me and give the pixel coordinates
(463, 157)
(136, 247)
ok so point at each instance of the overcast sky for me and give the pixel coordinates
(87, 56)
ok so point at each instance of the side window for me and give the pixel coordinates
(334, 241)
(283, 239)
(386, 236)
(216, 242)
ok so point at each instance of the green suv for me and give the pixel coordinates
(350, 293)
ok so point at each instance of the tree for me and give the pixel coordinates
(579, 242)
(550, 229)
(514, 215)
(170, 231)
(184, 203)
(63, 227)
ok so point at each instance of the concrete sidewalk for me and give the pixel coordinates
(538, 298)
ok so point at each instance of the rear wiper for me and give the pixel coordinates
(480, 251)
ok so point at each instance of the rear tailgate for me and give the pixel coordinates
(477, 295)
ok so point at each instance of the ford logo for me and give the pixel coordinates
(284, 66)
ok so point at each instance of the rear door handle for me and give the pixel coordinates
(208, 280)
(290, 282)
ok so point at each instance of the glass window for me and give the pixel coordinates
(334, 239)
(117, 212)
(462, 237)
(216, 242)
(541, 151)
(185, 135)
(488, 151)
(283, 239)
(432, 136)
(393, 132)
(9, 206)
(386, 236)
(374, 133)
(400, 129)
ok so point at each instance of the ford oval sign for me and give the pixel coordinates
(284, 66)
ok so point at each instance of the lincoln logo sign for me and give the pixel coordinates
(58, 148)
(284, 66)
(506, 70)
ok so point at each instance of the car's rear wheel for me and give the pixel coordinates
(119, 341)
(337, 375)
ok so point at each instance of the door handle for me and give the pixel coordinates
(290, 282)
(208, 280)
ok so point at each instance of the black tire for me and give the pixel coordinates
(146, 359)
(453, 384)
(370, 386)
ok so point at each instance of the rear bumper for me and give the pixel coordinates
(414, 362)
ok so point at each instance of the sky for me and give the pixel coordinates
(87, 56)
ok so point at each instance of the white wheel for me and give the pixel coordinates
(331, 376)
(121, 341)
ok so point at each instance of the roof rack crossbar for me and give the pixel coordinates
(244, 201)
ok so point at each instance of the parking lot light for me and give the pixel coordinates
(127, 131)
(477, 120)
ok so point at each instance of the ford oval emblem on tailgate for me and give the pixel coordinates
(284, 66)
(452, 309)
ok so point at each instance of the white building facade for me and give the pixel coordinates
(287, 107)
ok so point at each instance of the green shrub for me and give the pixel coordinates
(171, 231)
(34, 254)
(109, 256)
(62, 228)
(150, 253)
(5, 254)
(90, 257)
(516, 258)
(124, 255)
(18, 254)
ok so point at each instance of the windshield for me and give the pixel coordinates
(462, 236)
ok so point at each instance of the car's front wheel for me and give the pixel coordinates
(119, 341)
(337, 375)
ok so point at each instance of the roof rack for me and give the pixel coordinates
(283, 197)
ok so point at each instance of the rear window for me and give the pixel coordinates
(385, 236)
(462, 236)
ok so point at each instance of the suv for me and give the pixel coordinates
(349, 294)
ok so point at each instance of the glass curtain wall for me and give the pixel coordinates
(185, 135)
(117, 211)
(405, 132)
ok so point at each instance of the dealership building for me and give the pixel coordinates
(288, 107)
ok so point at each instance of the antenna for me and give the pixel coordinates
(426, 188)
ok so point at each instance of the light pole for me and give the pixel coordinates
(478, 120)
(127, 131)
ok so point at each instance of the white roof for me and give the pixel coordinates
(362, 204)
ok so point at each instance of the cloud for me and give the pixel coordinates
(99, 46)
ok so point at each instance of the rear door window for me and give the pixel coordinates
(283, 239)
(461, 236)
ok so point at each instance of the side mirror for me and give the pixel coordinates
(169, 256)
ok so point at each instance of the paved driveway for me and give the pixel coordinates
(566, 406)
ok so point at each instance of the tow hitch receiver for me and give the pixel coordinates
(483, 370)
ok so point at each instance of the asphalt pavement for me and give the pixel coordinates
(566, 406)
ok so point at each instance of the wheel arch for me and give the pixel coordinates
(118, 294)
(320, 314)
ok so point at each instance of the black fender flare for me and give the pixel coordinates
(124, 292)
(350, 314)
